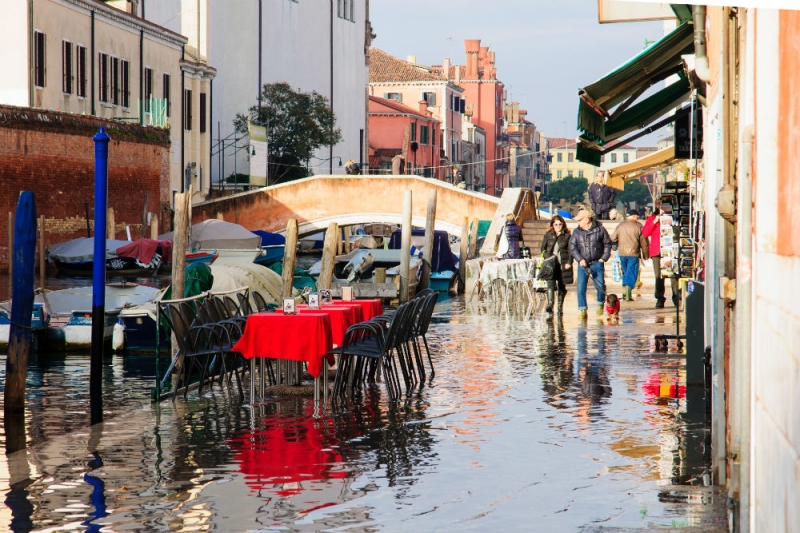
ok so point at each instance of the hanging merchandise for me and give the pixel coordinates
(677, 245)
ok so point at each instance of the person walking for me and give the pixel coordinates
(590, 246)
(631, 245)
(601, 195)
(652, 230)
(556, 241)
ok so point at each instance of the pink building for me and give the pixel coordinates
(396, 128)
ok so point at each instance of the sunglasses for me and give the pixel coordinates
(557, 224)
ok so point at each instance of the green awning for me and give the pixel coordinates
(629, 81)
(643, 113)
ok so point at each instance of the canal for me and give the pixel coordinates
(529, 424)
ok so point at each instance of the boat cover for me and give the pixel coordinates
(65, 301)
(441, 259)
(215, 234)
(145, 249)
(270, 239)
(81, 250)
(257, 277)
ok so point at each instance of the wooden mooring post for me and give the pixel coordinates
(19, 336)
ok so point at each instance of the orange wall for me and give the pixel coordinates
(789, 135)
(388, 131)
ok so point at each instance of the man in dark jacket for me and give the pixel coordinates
(601, 195)
(590, 245)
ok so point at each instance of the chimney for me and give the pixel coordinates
(472, 47)
(446, 68)
(457, 74)
(412, 59)
(423, 107)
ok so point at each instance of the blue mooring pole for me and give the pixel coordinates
(99, 274)
(19, 338)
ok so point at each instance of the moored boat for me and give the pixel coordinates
(123, 258)
(233, 243)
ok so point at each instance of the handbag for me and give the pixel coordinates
(616, 268)
(502, 247)
(547, 270)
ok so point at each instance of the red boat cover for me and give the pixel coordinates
(144, 249)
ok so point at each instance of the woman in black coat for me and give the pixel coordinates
(514, 235)
(558, 233)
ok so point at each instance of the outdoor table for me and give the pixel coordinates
(370, 307)
(506, 271)
(303, 337)
(342, 317)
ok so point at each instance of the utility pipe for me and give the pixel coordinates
(700, 57)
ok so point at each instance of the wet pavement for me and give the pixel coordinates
(528, 425)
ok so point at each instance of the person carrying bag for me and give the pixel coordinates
(557, 266)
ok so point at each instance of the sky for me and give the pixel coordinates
(545, 50)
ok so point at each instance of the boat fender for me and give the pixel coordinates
(118, 336)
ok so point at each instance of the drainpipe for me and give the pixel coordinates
(141, 77)
(183, 122)
(330, 149)
(744, 315)
(700, 57)
(31, 60)
(94, 109)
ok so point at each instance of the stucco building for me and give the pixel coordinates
(408, 82)
(397, 129)
(88, 57)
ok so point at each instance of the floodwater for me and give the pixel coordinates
(528, 425)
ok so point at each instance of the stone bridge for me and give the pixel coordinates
(317, 201)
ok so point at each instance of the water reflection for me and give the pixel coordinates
(526, 420)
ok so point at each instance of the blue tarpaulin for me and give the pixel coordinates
(442, 258)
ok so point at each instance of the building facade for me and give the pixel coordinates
(409, 83)
(89, 57)
(312, 46)
(402, 130)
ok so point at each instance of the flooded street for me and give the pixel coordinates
(528, 425)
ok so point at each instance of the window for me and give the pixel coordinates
(602, 159)
(580, 173)
(340, 8)
(413, 131)
(66, 67)
(559, 173)
(569, 173)
(430, 97)
(148, 88)
(102, 70)
(396, 97)
(115, 80)
(613, 158)
(570, 157)
(346, 9)
(125, 88)
(81, 71)
(624, 158)
(558, 158)
(39, 66)
(352, 11)
(202, 112)
(462, 106)
(423, 134)
(166, 88)
(187, 109)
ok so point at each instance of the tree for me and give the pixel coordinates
(635, 191)
(569, 188)
(297, 125)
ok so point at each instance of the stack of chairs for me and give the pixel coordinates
(392, 344)
(206, 328)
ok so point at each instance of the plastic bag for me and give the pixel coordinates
(616, 269)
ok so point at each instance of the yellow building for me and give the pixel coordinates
(563, 163)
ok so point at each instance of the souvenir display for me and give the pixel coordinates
(313, 300)
(677, 246)
(347, 294)
(325, 296)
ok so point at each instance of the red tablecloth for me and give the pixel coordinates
(341, 319)
(369, 307)
(302, 337)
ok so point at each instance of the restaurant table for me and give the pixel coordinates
(342, 317)
(305, 337)
(370, 307)
(507, 272)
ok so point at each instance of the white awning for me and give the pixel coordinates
(618, 175)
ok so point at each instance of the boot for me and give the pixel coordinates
(627, 295)
(550, 298)
(561, 296)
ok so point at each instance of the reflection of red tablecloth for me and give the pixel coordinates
(369, 307)
(302, 337)
(288, 451)
(341, 319)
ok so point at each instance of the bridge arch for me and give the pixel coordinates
(317, 201)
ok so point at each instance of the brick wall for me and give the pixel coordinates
(52, 154)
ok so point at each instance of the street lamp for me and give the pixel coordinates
(323, 160)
